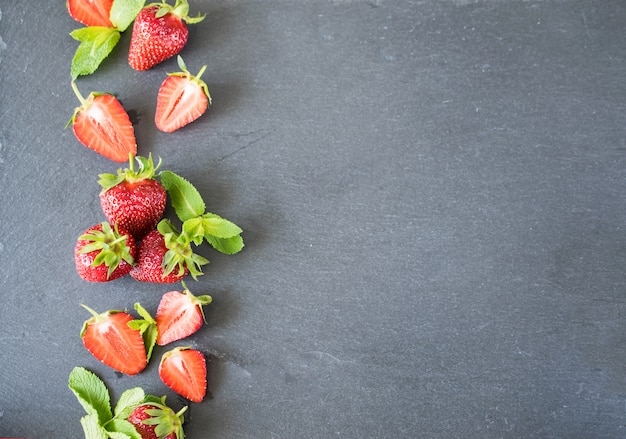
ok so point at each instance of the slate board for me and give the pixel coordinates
(433, 202)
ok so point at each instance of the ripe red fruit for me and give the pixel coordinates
(91, 12)
(182, 99)
(111, 340)
(104, 253)
(184, 371)
(154, 420)
(159, 32)
(133, 199)
(102, 124)
(165, 256)
(179, 315)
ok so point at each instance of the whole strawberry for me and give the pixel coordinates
(134, 200)
(155, 420)
(166, 256)
(160, 32)
(104, 253)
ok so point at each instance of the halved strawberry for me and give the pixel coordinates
(184, 371)
(182, 99)
(179, 315)
(91, 12)
(102, 124)
(111, 340)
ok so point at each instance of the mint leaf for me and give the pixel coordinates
(194, 229)
(123, 12)
(92, 428)
(186, 200)
(147, 327)
(127, 402)
(219, 227)
(96, 43)
(91, 392)
(227, 246)
(122, 429)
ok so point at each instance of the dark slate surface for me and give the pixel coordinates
(433, 199)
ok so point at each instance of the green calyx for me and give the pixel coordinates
(180, 9)
(165, 420)
(195, 79)
(179, 255)
(84, 102)
(112, 247)
(197, 300)
(146, 170)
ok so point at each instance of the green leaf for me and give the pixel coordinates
(96, 43)
(186, 200)
(92, 428)
(127, 402)
(123, 12)
(194, 229)
(219, 227)
(228, 246)
(147, 327)
(91, 392)
(122, 429)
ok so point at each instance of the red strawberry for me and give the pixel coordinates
(184, 371)
(165, 256)
(160, 32)
(133, 199)
(179, 315)
(102, 124)
(111, 340)
(91, 12)
(154, 420)
(182, 99)
(104, 253)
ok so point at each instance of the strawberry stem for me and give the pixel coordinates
(77, 92)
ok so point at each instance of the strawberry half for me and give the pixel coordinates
(155, 420)
(102, 124)
(182, 99)
(179, 315)
(104, 253)
(133, 199)
(111, 340)
(159, 32)
(166, 256)
(184, 371)
(91, 12)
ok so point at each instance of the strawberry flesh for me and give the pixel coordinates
(109, 338)
(91, 12)
(179, 315)
(103, 125)
(180, 101)
(184, 371)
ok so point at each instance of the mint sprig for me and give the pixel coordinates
(96, 43)
(123, 12)
(199, 225)
(147, 327)
(101, 422)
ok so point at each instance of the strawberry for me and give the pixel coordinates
(104, 253)
(166, 256)
(155, 420)
(111, 340)
(179, 315)
(184, 371)
(91, 12)
(182, 99)
(102, 124)
(134, 200)
(159, 32)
